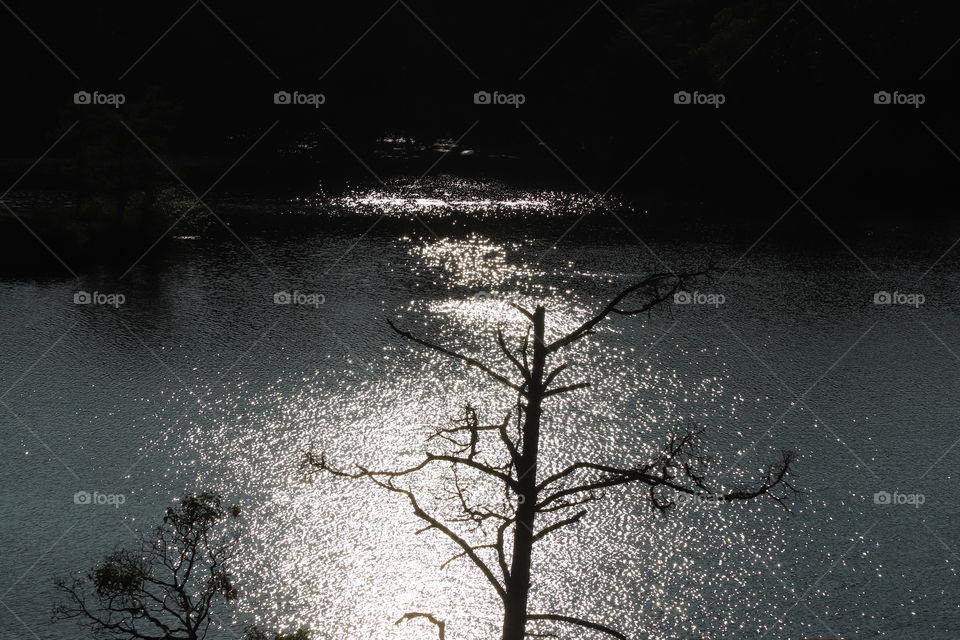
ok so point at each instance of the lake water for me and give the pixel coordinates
(200, 381)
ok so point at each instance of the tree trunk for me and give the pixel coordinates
(518, 585)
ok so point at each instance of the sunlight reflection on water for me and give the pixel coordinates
(207, 384)
(340, 556)
(448, 196)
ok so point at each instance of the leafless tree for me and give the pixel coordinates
(508, 453)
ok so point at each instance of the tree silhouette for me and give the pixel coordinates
(533, 507)
(166, 587)
(119, 181)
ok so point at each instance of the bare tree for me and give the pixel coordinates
(534, 507)
(166, 587)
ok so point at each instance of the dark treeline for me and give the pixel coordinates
(599, 98)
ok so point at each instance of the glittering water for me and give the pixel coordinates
(201, 382)
(477, 199)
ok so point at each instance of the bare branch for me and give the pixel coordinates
(501, 552)
(473, 362)
(470, 424)
(774, 476)
(546, 482)
(468, 550)
(462, 554)
(681, 467)
(312, 460)
(502, 343)
(526, 314)
(566, 389)
(475, 514)
(525, 344)
(512, 447)
(440, 624)
(559, 524)
(553, 374)
(433, 523)
(653, 283)
(577, 621)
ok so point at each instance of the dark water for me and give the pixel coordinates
(200, 381)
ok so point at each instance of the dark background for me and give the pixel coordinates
(598, 99)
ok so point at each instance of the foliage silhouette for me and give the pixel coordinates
(168, 585)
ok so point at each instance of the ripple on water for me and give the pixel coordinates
(335, 554)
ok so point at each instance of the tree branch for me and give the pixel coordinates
(468, 549)
(440, 624)
(321, 463)
(680, 467)
(502, 343)
(566, 389)
(652, 282)
(577, 621)
(560, 523)
(473, 362)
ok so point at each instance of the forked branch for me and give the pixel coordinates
(319, 462)
(681, 468)
(660, 286)
(473, 362)
(577, 621)
(439, 624)
(385, 480)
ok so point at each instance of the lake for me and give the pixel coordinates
(200, 381)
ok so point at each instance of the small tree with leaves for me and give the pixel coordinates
(508, 453)
(166, 587)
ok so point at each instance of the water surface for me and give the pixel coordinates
(199, 381)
